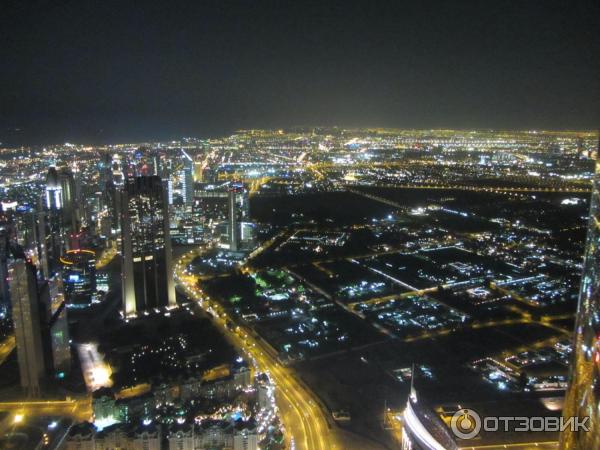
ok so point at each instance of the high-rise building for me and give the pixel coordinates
(48, 240)
(105, 171)
(147, 275)
(232, 228)
(69, 208)
(79, 276)
(58, 219)
(245, 436)
(4, 255)
(27, 323)
(54, 327)
(238, 211)
(54, 197)
(187, 180)
(583, 393)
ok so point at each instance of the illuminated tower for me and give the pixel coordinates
(233, 221)
(105, 169)
(54, 197)
(147, 274)
(79, 276)
(49, 240)
(583, 395)
(26, 318)
(69, 200)
(54, 327)
(4, 258)
(56, 219)
(187, 180)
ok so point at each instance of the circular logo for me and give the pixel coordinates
(465, 423)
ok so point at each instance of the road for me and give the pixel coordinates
(77, 409)
(6, 348)
(306, 423)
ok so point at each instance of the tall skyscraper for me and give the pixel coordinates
(57, 219)
(4, 254)
(583, 395)
(26, 318)
(69, 201)
(232, 228)
(54, 198)
(54, 327)
(48, 240)
(39, 315)
(187, 180)
(105, 170)
(147, 274)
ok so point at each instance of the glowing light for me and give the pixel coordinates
(413, 423)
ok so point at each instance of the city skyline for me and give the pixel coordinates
(307, 225)
(432, 272)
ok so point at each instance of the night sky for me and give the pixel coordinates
(106, 71)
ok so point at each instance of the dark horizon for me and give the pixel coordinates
(108, 72)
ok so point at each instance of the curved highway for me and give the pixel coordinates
(306, 424)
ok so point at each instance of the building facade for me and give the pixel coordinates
(147, 273)
(583, 394)
(79, 276)
(27, 323)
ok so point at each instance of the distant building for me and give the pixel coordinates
(187, 180)
(81, 437)
(49, 240)
(70, 208)
(79, 276)
(236, 234)
(213, 434)
(54, 197)
(245, 436)
(232, 228)
(112, 437)
(146, 437)
(147, 274)
(181, 437)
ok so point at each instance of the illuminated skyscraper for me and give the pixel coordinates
(54, 327)
(147, 275)
(69, 201)
(39, 315)
(583, 395)
(79, 276)
(48, 240)
(187, 180)
(54, 199)
(4, 254)
(26, 318)
(232, 228)
(105, 170)
(57, 219)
